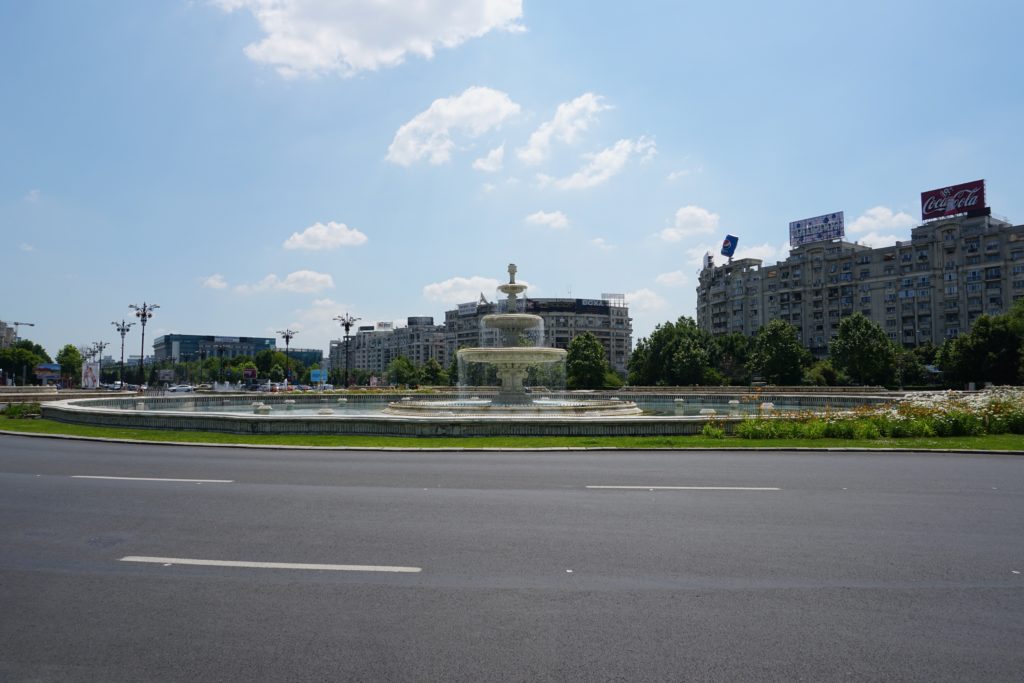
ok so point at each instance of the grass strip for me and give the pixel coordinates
(991, 442)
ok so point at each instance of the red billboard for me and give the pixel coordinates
(954, 199)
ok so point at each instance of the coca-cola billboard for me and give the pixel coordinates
(954, 199)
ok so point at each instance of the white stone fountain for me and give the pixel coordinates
(512, 361)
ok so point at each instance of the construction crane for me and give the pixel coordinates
(17, 325)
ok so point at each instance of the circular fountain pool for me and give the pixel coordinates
(660, 413)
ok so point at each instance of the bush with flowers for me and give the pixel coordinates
(992, 411)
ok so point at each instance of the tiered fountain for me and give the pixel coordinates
(512, 362)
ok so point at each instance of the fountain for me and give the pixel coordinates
(512, 361)
(513, 409)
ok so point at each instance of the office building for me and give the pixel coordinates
(930, 288)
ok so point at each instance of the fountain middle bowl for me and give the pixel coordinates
(525, 355)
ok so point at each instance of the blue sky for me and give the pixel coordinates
(252, 165)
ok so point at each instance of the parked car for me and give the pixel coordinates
(180, 388)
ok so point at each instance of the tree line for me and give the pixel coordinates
(676, 354)
(680, 354)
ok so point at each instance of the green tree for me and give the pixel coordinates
(586, 363)
(822, 373)
(990, 352)
(909, 368)
(268, 358)
(863, 350)
(402, 371)
(433, 373)
(276, 373)
(70, 360)
(675, 354)
(732, 357)
(777, 354)
(33, 348)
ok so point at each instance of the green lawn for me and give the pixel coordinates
(1000, 442)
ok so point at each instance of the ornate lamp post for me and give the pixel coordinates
(123, 328)
(287, 335)
(143, 313)
(346, 321)
(220, 365)
(99, 346)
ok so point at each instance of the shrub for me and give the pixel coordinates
(958, 423)
(713, 430)
(20, 411)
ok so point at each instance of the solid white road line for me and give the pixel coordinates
(190, 481)
(272, 565)
(690, 488)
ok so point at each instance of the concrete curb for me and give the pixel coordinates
(540, 449)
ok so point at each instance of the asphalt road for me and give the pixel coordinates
(507, 566)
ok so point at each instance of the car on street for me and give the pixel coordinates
(181, 388)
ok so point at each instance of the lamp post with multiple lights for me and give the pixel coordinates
(346, 321)
(123, 328)
(99, 346)
(143, 313)
(287, 335)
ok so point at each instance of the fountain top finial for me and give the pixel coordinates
(512, 273)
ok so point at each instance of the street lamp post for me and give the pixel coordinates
(99, 346)
(220, 364)
(123, 328)
(143, 313)
(287, 335)
(346, 321)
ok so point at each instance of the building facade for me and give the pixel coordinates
(373, 347)
(928, 289)
(182, 347)
(7, 335)
(564, 319)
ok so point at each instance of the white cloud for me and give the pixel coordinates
(429, 133)
(691, 221)
(768, 253)
(299, 282)
(676, 278)
(26, 247)
(459, 290)
(882, 218)
(645, 300)
(33, 196)
(602, 166)
(556, 220)
(882, 227)
(683, 172)
(601, 244)
(488, 187)
(876, 240)
(320, 237)
(317, 324)
(571, 119)
(320, 37)
(215, 281)
(491, 163)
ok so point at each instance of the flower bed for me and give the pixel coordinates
(949, 413)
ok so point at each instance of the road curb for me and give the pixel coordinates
(484, 449)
